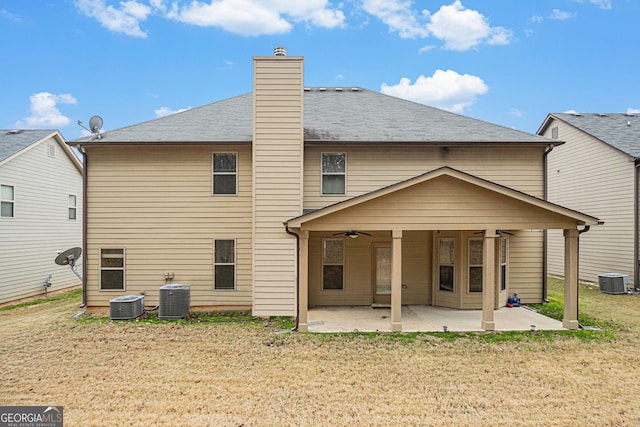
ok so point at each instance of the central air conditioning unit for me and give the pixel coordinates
(613, 283)
(126, 307)
(174, 301)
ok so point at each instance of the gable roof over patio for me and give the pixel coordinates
(443, 199)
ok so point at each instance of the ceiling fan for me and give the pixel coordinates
(352, 233)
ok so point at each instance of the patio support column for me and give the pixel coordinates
(303, 291)
(488, 280)
(396, 281)
(570, 318)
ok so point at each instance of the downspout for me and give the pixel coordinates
(85, 163)
(297, 236)
(544, 232)
(584, 230)
(636, 274)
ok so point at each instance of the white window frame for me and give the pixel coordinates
(73, 207)
(214, 173)
(470, 265)
(323, 174)
(342, 263)
(11, 201)
(123, 269)
(234, 264)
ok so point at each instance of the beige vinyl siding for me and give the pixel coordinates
(41, 226)
(157, 203)
(370, 168)
(358, 288)
(589, 176)
(277, 177)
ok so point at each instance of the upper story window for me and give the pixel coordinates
(7, 201)
(225, 173)
(334, 173)
(73, 208)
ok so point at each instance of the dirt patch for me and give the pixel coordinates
(232, 374)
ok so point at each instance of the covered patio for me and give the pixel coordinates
(421, 318)
(439, 202)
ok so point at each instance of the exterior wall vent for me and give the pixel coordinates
(279, 51)
(174, 301)
(126, 307)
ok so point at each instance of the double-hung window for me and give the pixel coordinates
(225, 173)
(7, 201)
(224, 266)
(334, 173)
(73, 208)
(475, 264)
(112, 264)
(333, 264)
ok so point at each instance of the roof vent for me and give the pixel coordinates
(322, 89)
(355, 89)
(338, 89)
(14, 131)
(279, 51)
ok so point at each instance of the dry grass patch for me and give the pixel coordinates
(244, 373)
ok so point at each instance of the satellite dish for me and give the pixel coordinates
(95, 124)
(69, 256)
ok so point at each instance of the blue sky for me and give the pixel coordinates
(503, 61)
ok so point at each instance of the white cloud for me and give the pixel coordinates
(463, 29)
(537, 19)
(559, 15)
(257, 17)
(166, 111)
(398, 16)
(445, 89)
(633, 111)
(10, 16)
(602, 4)
(516, 112)
(124, 19)
(571, 112)
(44, 111)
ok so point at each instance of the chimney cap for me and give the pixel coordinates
(279, 51)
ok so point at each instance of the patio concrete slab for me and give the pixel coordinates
(423, 318)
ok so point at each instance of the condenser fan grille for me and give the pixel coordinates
(174, 301)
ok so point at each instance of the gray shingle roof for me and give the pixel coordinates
(12, 141)
(619, 130)
(330, 115)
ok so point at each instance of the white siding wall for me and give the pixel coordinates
(41, 224)
(589, 176)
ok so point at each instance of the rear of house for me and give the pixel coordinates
(41, 212)
(596, 170)
(291, 197)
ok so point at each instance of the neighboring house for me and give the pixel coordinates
(290, 197)
(596, 170)
(40, 211)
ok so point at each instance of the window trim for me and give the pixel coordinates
(234, 263)
(12, 201)
(73, 208)
(323, 173)
(214, 173)
(123, 268)
(342, 263)
(470, 265)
